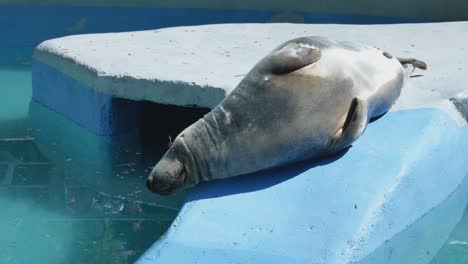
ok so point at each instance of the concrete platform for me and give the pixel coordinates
(198, 66)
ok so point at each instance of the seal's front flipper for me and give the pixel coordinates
(290, 58)
(353, 127)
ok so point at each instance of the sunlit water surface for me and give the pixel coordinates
(66, 195)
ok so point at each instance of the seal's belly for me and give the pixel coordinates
(295, 124)
(373, 76)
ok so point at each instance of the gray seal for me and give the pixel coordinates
(309, 98)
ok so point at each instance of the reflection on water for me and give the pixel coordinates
(68, 196)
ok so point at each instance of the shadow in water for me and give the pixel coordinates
(160, 124)
(258, 181)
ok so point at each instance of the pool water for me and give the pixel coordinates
(455, 249)
(68, 196)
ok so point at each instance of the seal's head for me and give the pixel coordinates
(167, 176)
(173, 171)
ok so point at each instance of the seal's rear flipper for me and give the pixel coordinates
(353, 127)
(416, 63)
(290, 58)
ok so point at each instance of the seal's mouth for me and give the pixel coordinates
(166, 178)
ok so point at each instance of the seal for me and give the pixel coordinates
(309, 98)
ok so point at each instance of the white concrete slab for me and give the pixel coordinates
(199, 65)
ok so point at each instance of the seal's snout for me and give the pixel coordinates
(166, 177)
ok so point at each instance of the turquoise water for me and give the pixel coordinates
(455, 249)
(68, 196)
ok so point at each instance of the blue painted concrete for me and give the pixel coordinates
(27, 26)
(340, 210)
(100, 113)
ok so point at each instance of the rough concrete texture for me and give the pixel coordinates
(199, 65)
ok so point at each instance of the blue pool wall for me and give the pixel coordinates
(27, 26)
(100, 113)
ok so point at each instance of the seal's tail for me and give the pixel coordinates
(410, 64)
(416, 63)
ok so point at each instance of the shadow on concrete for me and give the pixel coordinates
(257, 181)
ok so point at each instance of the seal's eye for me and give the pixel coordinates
(388, 55)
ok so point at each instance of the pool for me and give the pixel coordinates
(68, 196)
